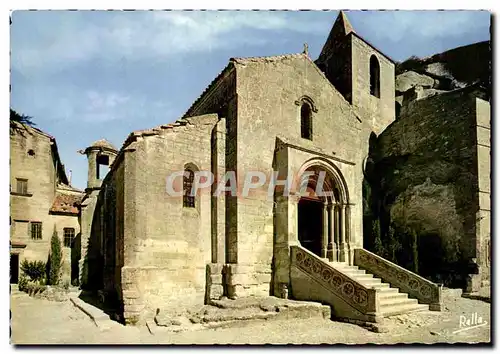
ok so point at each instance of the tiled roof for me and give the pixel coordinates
(66, 202)
(66, 187)
(153, 131)
(267, 59)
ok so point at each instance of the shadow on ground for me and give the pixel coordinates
(92, 298)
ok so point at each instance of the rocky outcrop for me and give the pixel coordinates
(450, 70)
(409, 79)
(421, 181)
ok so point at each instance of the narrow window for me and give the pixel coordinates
(374, 77)
(306, 121)
(188, 201)
(69, 235)
(22, 186)
(36, 230)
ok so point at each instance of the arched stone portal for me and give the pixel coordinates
(323, 214)
(317, 213)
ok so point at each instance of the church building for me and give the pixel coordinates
(285, 115)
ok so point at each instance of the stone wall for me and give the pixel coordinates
(377, 112)
(424, 179)
(166, 246)
(33, 156)
(483, 217)
(345, 60)
(268, 89)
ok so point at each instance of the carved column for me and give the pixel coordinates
(332, 238)
(343, 257)
(324, 240)
(347, 226)
(336, 216)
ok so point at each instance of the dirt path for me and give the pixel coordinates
(36, 321)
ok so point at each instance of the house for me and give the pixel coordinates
(42, 202)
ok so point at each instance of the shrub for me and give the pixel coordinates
(35, 270)
(22, 283)
(30, 287)
(55, 259)
(34, 288)
(38, 289)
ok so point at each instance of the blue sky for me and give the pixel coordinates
(87, 75)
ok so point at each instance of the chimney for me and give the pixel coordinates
(69, 177)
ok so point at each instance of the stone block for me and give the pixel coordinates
(134, 308)
(131, 294)
(215, 279)
(241, 279)
(215, 268)
(238, 269)
(131, 318)
(263, 278)
(215, 291)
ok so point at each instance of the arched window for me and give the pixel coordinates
(374, 76)
(306, 121)
(188, 198)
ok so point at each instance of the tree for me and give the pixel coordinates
(16, 119)
(55, 259)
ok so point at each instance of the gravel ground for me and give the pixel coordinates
(38, 321)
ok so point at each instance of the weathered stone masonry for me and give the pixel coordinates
(432, 172)
(149, 251)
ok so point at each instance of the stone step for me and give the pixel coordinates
(388, 293)
(403, 308)
(353, 271)
(341, 265)
(362, 276)
(365, 279)
(401, 298)
(375, 284)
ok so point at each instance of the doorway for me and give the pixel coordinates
(14, 268)
(310, 227)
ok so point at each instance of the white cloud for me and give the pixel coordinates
(398, 25)
(69, 103)
(65, 39)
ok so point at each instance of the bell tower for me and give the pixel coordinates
(100, 155)
(361, 73)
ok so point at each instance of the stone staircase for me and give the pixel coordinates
(391, 300)
(369, 290)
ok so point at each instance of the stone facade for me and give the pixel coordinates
(40, 195)
(345, 59)
(282, 116)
